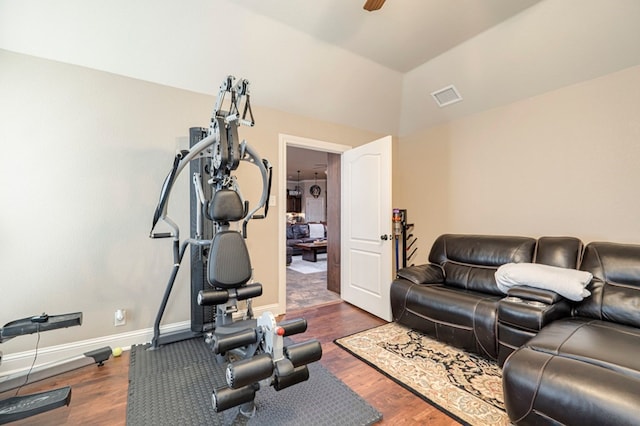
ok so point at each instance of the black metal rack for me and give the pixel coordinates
(406, 246)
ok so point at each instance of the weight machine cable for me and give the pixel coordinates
(35, 357)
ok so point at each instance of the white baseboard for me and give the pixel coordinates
(20, 362)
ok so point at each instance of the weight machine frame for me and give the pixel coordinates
(214, 153)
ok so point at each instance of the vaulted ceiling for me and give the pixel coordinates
(332, 60)
(402, 35)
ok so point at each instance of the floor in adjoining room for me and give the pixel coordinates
(310, 289)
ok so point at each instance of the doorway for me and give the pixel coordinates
(299, 290)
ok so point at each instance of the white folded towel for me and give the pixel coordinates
(569, 283)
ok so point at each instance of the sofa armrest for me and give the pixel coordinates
(535, 294)
(422, 274)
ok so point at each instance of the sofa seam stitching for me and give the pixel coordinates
(475, 307)
(535, 394)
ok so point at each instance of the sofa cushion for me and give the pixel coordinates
(316, 230)
(602, 343)
(575, 371)
(615, 288)
(486, 250)
(470, 261)
(464, 319)
(300, 231)
(422, 274)
(569, 283)
(543, 389)
(564, 252)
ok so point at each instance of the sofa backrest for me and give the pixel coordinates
(615, 288)
(563, 252)
(297, 231)
(470, 261)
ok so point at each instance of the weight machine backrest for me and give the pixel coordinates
(229, 264)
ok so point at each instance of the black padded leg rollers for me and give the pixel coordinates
(292, 327)
(299, 375)
(224, 398)
(249, 370)
(224, 343)
(249, 291)
(212, 297)
(303, 353)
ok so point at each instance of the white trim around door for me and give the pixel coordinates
(300, 142)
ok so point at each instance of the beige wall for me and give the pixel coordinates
(85, 154)
(563, 163)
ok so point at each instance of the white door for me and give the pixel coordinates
(366, 246)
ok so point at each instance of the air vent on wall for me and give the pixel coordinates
(446, 96)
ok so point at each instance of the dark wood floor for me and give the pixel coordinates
(99, 395)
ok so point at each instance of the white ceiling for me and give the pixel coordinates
(330, 59)
(402, 35)
(308, 162)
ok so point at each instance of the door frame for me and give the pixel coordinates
(285, 141)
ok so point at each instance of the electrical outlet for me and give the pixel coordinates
(120, 317)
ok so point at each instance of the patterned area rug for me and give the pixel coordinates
(465, 386)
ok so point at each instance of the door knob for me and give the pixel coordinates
(384, 237)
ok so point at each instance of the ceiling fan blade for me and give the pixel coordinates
(372, 5)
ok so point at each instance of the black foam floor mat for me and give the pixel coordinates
(173, 386)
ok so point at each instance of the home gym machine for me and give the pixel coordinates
(22, 406)
(221, 272)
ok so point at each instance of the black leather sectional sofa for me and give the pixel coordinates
(300, 233)
(564, 362)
